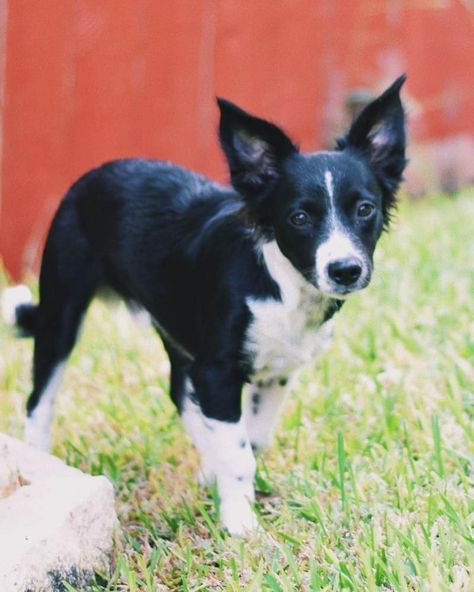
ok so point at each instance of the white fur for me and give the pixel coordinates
(261, 418)
(328, 179)
(11, 299)
(141, 317)
(284, 335)
(226, 457)
(338, 245)
(38, 424)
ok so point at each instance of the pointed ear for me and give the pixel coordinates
(379, 133)
(255, 150)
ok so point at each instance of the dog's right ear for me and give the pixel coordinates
(255, 150)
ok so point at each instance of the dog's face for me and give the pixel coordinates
(326, 210)
(327, 219)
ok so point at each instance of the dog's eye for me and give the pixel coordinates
(365, 210)
(299, 218)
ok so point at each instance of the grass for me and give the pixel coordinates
(370, 482)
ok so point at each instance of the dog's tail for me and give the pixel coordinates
(18, 309)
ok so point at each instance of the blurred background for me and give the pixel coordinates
(87, 81)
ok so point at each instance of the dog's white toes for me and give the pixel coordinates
(260, 445)
(37, 432)
(205, 477)
(238, 517)
(11, 298)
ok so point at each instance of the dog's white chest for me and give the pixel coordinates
(287, 334)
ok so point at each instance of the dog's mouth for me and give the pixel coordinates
(344, 293)
(333, 289)
(337, 291)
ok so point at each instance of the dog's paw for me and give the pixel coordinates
(238, 517)
(260, 445)
(205, 477)
(37, 434)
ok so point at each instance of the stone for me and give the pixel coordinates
(57, 524)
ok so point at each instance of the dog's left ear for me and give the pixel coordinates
(255, 150)
(379, 133)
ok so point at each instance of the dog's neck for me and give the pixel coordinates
(295, 290)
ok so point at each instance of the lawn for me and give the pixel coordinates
(370, 482)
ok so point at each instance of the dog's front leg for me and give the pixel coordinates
(212, 416)
(262, 409)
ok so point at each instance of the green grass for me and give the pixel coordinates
(370, 482)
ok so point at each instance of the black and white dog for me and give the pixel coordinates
(240, 282)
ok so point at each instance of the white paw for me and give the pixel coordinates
(205, 477)
(11, 299)
(259, 445)
(238, 517)
(37, 435)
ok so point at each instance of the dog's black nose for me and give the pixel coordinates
(345, 271)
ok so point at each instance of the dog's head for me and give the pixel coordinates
(326, 210)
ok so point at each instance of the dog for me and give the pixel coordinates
(240, 281)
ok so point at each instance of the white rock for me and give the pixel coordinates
(56, 523)
(9, 475)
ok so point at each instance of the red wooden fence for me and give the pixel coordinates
(85, 81)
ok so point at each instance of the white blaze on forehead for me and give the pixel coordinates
(328, 179)
(339, 243)
(338, 246)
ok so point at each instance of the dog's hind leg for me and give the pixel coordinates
(66, 289)
(56, 334)
(181, 390)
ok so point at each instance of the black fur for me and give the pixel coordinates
(384, 116)
(26, 318)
